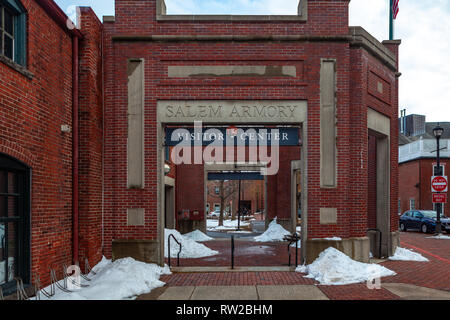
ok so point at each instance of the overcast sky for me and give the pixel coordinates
(422, 25)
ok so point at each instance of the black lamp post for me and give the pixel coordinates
(438, 131)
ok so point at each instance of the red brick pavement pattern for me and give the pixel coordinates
(236, 279)
(247, 254)
(356, 292)
(434, 274)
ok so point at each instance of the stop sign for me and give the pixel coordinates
(439, 184)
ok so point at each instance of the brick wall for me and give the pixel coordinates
(91, 138)
(32, 112)
(353, 98)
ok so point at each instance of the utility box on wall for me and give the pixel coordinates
(191, 220)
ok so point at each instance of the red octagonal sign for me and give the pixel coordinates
(439, 184)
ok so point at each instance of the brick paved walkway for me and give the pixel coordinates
(247, 254)
(434, 274)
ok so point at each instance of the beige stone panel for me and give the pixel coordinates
(328, 216)
(328, 124)
(135, 217)
(227, 71)
(135, 112)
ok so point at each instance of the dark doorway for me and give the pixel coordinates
(14, 222)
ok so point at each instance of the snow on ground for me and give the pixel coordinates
(213, 225)
(275, 232)
(198, 236)
(441, 236)
(333, 267)
(255, 250)
(122, 279)
(402, 254)
(189, 247)
(329, 239)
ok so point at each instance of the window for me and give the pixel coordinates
(412, 204)
(14, 223)
(13, 31)
(217, 190)
(437, 172)
(418, 215)
(435, 208)
(399, 206)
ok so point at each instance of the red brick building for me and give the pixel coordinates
(417, 166)
(38, 105)
(85, 113)
(164, 71)
(252, 195)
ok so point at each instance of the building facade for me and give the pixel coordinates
(164, 71)
(38, 69)
(417, 164)
(85, 115)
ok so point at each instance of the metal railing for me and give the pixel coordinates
(293, 238)
(178, 255)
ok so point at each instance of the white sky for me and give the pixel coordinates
(422, 25)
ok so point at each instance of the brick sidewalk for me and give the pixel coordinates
(434, 274)
(247, 253)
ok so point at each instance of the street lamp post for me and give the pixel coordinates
(438, 131)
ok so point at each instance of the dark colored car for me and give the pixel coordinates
(424, 220)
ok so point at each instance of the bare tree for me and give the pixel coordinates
(225, 192)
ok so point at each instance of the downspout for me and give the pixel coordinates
(103, 137)
(75, 148)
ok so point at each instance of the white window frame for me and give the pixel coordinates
(412, 204)
(435, 166)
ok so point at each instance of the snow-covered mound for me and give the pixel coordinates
(275, 232)
(122, 279)
(402, 254)
(189, 247)
(198, 236)
(333, 267)
(441, 236)
(213, 225)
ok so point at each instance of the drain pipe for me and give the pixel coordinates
(75, 148)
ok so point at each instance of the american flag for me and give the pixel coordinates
(395, 8)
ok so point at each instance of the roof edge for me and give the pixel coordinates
(58, 15)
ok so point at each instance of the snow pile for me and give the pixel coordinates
(275, 232)
(402, 254)
(122, 279)
(198, 236)
(441, 236)
(333, 267)
(189, 247)
(213, 225)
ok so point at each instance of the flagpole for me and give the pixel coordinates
(391, 20)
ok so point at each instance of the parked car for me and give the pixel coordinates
(424, 220)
